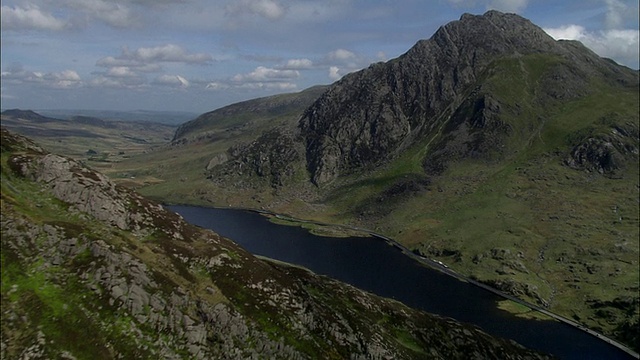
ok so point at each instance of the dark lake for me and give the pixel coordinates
(375, 266)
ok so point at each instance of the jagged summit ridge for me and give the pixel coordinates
(370, 116)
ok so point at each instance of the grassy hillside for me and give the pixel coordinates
(520, 217)
(256, 115)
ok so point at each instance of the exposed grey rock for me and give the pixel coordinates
(273, 157)
(217, 160)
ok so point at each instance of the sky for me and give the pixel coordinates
(199, 55)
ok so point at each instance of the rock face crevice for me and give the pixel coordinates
(474, 131)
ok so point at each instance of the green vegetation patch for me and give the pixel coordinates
(522, 310)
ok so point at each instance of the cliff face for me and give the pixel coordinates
(91, 270)
(371, 116)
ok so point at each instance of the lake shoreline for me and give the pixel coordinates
(288, 220)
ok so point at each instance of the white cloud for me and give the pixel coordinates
(615, 13)
(121, 71)
(301, 64)
(111, 61)
(334, 73)
(148, 59)
(166, 53)
(110, 12)
(118, 82)
(262, 73)
(341, 55)
(261, 78)
(280, 86)
(216, 85)
(65, 79)
(617, 44)
(29, 18)
(172, 80)
(347, 61)
(269, 9)
(567, 32)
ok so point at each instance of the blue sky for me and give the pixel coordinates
(199, 55)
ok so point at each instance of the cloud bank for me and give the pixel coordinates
(30, 17)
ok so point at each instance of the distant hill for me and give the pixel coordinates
(508, 155)
(97, 141)
(268, 110)
(27, 115)
(162, 117)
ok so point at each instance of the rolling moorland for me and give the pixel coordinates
(95, 141)
(513, 160)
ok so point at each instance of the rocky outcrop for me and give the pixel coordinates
(274, 157)
(93, 193)
(606, 149)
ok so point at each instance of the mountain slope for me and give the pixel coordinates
(369, 117)
(509, 156)
(233, 118)
(516, 175)
(92, 270)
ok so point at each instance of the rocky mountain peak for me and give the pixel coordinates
(494, 33)
(369, 117)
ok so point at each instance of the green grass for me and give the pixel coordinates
(406, 339)
(522, 311)
(57, 311)
(51, 299)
